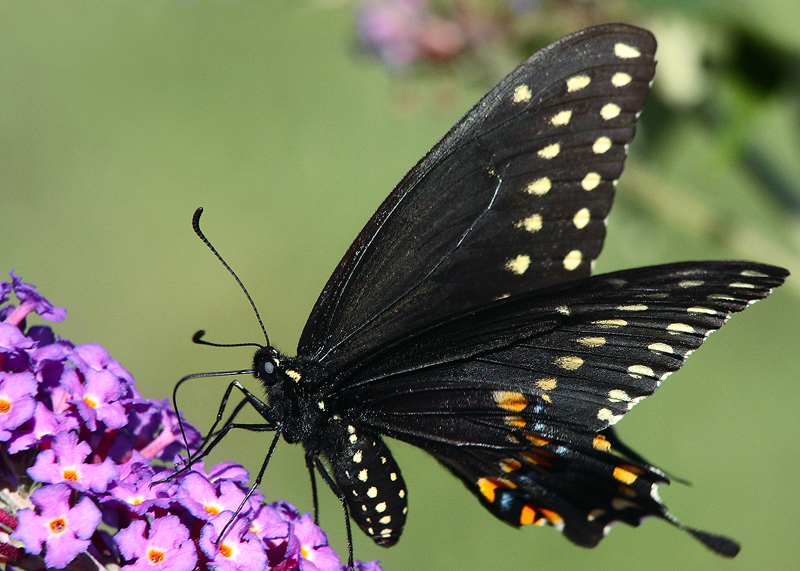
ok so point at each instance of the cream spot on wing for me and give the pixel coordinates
(547, 384)
(561, 118)
(578, 82)
(582, 218)
(639, 371)
(402, 494)
(385, 519)
(620, 79)
(675, 328)
(531, 223)
(381, 507)
(563, 310)
(609, 111)
(362, 475)
(522, 93)
(722, 297)
(660, 348)
(573, 260)
(539, 187)
(357, 457)
(590, 181)
(611, 323)
(632, 307)
(601, 145)
(607, 415)
(617, 395)
(591, 341)
(393, 476)
(571, 363)
(742, 285)
(293, 374)
(753, 274)
(700, 309)
(550, 151)
(372, 492)
(690, 283)
(625, 51)
(519, 265)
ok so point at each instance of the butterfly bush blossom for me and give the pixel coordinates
(83, 463)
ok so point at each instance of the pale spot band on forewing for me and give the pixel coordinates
(519, 265)
(620, 79)
(522, 93)
(573, 260)
(625, 51)
(582, 218)
(531, 223)
(561, 118)
(578, 82)
(550, 151)
(601, 145)
(610, 111)
(539, 187)
(591, 181)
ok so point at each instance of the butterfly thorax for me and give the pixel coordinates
(294, 393)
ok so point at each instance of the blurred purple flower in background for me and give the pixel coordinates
(75, 432)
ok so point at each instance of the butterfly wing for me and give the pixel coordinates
(512, 199)
(515, 397)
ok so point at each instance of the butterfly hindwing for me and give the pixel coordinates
(515, 397)
(512, 199)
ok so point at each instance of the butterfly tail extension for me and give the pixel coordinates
(578, 490)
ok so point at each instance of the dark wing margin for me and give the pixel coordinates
(511, 200)
(517, 398)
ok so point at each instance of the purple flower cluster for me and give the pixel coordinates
(402, 32)
(77, 445)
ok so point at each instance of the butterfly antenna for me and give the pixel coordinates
(196, 227)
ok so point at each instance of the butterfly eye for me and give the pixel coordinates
(265, 365)
(267, 372)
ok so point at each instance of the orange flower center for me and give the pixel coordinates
(5, 406)
(58, 525)
(212, 510)
(90, 402)
(70, 475)
(225, 550)
(155, 556)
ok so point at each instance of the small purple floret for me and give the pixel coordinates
(63, 530)
(165, 547)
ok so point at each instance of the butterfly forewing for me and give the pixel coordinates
(512, 199)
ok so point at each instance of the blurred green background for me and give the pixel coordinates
(118, 119)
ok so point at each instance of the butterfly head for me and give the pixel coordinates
(267, 366)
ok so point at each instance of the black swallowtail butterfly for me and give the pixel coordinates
(463, 319)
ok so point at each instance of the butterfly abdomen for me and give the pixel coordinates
(370, 479)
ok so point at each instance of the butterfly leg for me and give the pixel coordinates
(310, 466)
(256, 483)
(339, 494)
